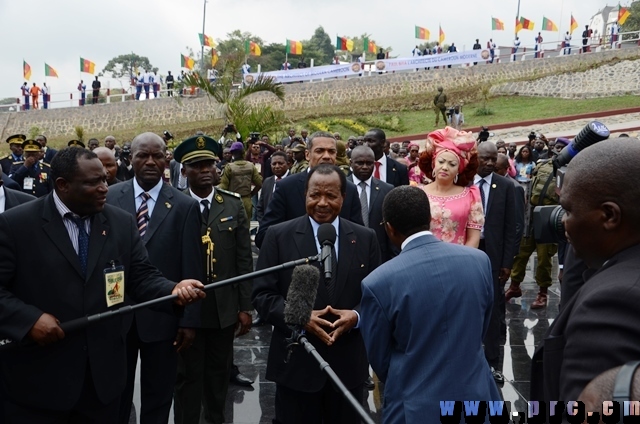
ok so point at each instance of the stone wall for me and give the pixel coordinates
(133, 115)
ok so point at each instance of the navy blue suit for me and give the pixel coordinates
(416, 344)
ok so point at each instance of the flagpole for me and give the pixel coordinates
(204, 17)
(517, 18)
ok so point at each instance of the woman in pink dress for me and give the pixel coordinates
(451, 158)
(416, 176)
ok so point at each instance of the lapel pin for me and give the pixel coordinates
(104, 233)
(493, 186)
(353, 242)
(168, 205)
(361, 265)
(394, 169)
(377, 188)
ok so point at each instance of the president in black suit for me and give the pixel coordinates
(501, 168)
(597, 329)
(371, 192)
(386, 169)
(288, 200)
(497, 240)
(78, 376)
(280, 170)
(169, 224)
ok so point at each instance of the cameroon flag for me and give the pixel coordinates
(49, 71)
(547, 25)
(214, 58)
(497, 24)
(369, 46)
(207, 41)
(441, 36)
(252, 48)
(187, 62)
(87, 66)
(422, 33)
(294, 47)
(623, 14)
(26, 70)
(343, 43)
(526, 24)
(574, 24)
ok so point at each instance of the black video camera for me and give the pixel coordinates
(230, 128)
(484, 134)
(547, 220)
(254, 136)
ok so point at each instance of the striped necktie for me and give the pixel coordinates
(83, 241)
(142, 216)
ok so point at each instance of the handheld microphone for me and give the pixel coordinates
(327, 238)
(301, 296)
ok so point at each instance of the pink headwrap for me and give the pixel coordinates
(460, 143)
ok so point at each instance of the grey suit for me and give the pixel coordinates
(173, 242)
(174, 167)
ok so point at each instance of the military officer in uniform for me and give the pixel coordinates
(301, 163)
(15, 144)
(239, 175)
(31, 175)
(203, 370)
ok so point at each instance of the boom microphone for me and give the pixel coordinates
(301, 296)
(327, 238)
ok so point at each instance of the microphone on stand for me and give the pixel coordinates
(327, 238)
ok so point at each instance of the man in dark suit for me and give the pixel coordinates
(288, 200)
(497, 240)
(49, 153)
(303, 393)
(89, 245)
(601, 222)
(414, 343)
(203, 371)
(280, 170)
(169, 224)
(11, 198)
(502, 168)
(386, 169)
(372, 193)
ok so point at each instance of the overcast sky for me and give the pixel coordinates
(59, 32)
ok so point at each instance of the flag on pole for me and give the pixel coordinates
(49, 71)
(441, 36)
(369, 46)
(214, 58)
(422, 33)
(26, 70)
(252, 48)
(207, 41)
(497, 24)
(343, 43)
(294, 47)
(518, 25)
(574, 24)
(87, 66)
(623, 14)
(187, 62)
(526, 24)
(548, 25)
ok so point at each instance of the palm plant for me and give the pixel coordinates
(238, 109)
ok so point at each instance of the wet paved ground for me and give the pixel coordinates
(525, 329)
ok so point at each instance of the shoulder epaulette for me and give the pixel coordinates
(20, 162)
(230, 193)
(6, 157)
(45, 164)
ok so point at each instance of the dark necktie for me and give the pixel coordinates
(481, 184)
(205, 211)
(142, 216)
(364, 204)
(83, 242)
(331, 284)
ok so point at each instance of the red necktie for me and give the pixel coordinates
(376, 173)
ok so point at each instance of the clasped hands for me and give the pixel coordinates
(347, 319)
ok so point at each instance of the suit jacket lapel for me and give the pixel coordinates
(97, 239)
(375, 190)
(215, 211)
(306, 245)
(347, 250)
(493, 188)
(160, 211)
(57, 232)
(10, 200)
(126, 200)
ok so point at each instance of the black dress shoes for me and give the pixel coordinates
(236, 377)
(257, 321)
(497, 376)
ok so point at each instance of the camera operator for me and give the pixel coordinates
(484, 134)
(455, 117)
(259, 153)
(125, 169)
(229, 129)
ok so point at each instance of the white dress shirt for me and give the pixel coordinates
(315, 226)
(2, 199)
(382, 169)
(486, 188)
(413, 237)
(200, 199)
(154, 193)
(368, 182)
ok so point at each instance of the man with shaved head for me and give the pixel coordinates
(597, 329)
(169, 225)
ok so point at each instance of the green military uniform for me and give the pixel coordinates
(6, 162)
(440, 106)
(299, 167)
(203, 369)
(238, 177)
(35, 180)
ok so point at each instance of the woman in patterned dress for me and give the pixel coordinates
(451, 159)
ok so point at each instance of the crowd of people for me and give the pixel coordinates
(420, 226)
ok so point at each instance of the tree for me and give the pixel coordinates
(237, 109)
(127, 65)
(321, 42)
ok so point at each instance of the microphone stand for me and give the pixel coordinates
(298, 338)
(81, 323)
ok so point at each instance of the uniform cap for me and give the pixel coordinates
(31, 146)
(300, 147)
(236, 147)
(16, 139)
(196, 149)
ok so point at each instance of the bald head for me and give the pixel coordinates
(147, 138)
(502, 164)
(600, 389)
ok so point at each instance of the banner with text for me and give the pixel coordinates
(305, 74)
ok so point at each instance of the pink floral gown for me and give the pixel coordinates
(452, 215)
